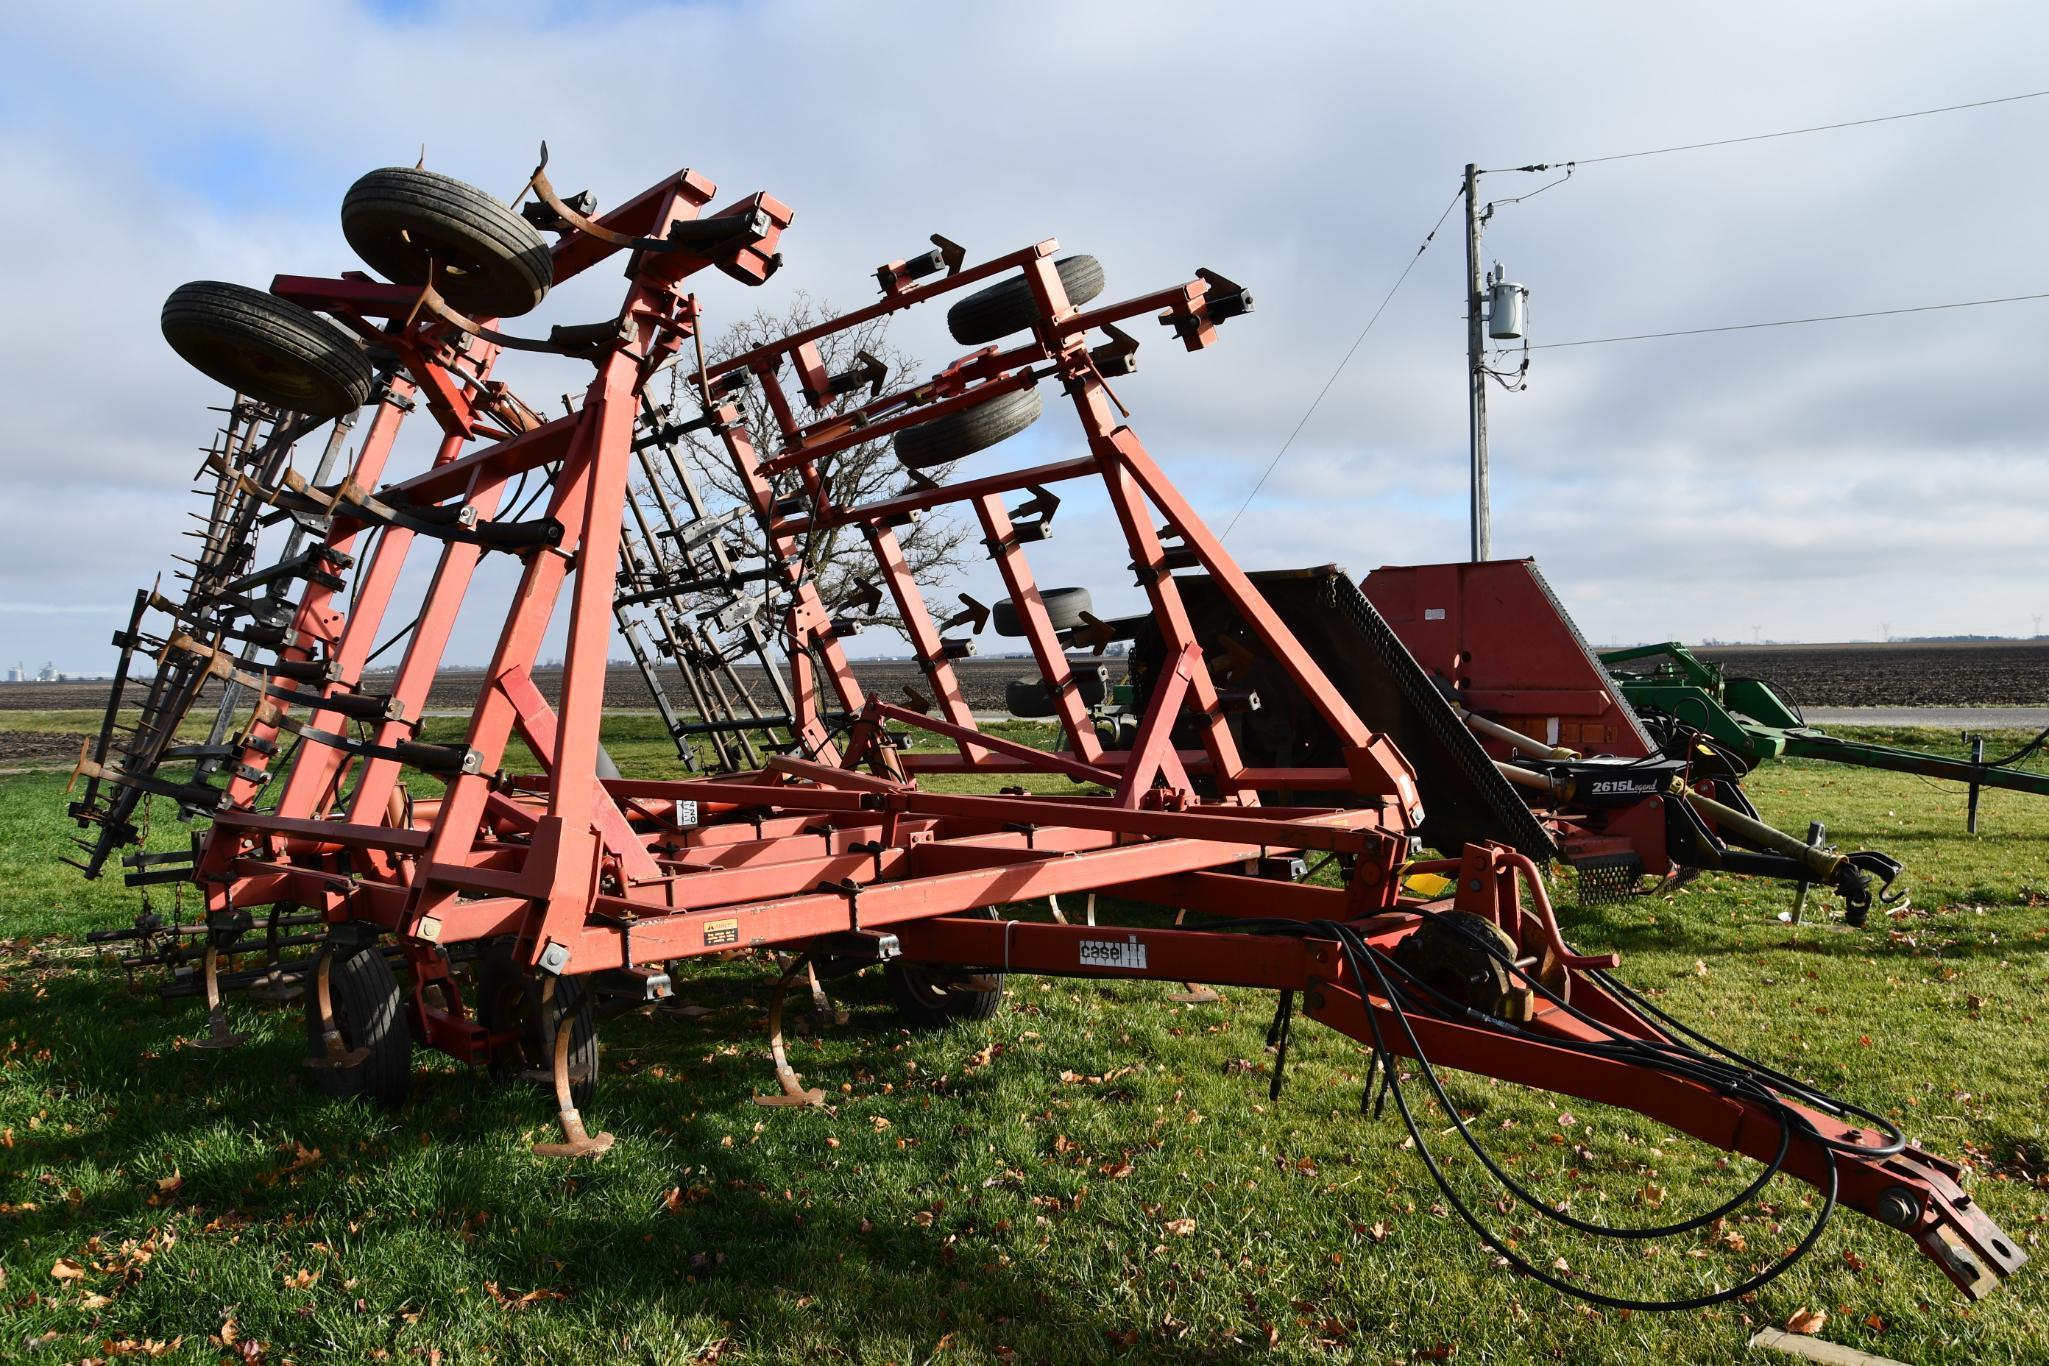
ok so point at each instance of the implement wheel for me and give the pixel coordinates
(945, 440)
(1004, 308)
(485, 259)
(1032, 698)
(267, 348)
(931, 996)
(363, 993)
(1064, 607)
(509, 998)
(1467, 957)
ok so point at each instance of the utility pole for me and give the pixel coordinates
(1476, 376)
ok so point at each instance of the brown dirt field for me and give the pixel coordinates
(1907, 674)
(36, 748)
(1987, 673)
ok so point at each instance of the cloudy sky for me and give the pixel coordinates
(1807, 482)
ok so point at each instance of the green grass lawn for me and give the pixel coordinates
(1018, 1188)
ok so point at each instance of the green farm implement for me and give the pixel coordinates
(1755, 722)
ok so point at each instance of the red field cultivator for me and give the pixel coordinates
(486, 912)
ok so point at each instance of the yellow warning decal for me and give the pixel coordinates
(718, 932)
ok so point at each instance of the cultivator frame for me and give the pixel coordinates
(831, 850)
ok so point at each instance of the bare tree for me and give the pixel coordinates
(838, 558)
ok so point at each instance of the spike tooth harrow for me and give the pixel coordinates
(564, 886)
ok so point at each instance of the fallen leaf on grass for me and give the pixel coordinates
(64, 1269)
(1180, 1228)
(1807, 1321)
(534, 1296)
(303, 1158)
(167, 1184)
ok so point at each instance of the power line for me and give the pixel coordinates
(1347, 360)
(1788, 322)
(1783, 133)
(1642, 336)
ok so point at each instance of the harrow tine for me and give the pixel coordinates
(218, 1034)
(335, 1054)
(794, 1092)
(576, 1140)
(1191, 993)
(822, 1010)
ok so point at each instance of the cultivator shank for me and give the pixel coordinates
(501, 904)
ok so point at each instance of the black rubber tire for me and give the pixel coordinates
(919, 993)
(946, 439)
(509, 996)
(1004, 308)
(487, 261)
(1064, 607)
(370, 1013)
(1029, 699)
(1032, 698)
(267, 348)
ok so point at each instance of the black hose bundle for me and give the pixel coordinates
(1730, 1073)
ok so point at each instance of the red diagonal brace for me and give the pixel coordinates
(536, 722)
(1152, 753)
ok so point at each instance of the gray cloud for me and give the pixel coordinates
(1808, 480)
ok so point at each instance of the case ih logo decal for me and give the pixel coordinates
(1111, 953)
